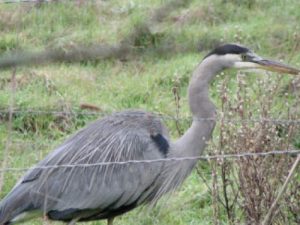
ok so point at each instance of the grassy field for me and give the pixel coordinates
(164, 60)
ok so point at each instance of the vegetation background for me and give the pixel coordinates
(147, 52)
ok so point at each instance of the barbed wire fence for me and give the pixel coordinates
(288, 152)
(120, 51)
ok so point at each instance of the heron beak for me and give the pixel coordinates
(275, 66)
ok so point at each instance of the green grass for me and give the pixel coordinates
(144, 81)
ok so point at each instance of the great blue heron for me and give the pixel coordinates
(86, 193)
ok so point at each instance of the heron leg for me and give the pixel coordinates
(73, 221)
(110, 221)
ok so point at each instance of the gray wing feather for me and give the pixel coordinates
(120, 137)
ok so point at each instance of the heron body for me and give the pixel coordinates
(86, 193)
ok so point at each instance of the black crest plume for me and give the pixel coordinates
(228, 49)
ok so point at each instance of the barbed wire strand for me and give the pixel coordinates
(207, 157)
(159, 115)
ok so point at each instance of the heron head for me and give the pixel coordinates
(240, 57)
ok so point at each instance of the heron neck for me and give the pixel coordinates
(198, 92)
(194, 140)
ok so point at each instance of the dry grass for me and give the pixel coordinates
(246, 188)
